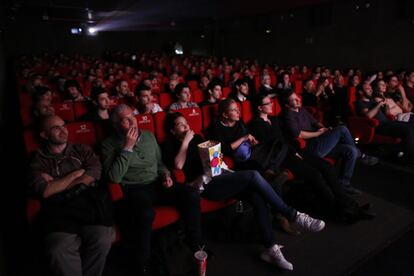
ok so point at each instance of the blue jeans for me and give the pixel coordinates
(337, 143)
(257, 190)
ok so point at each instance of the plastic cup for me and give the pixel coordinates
(201, 257)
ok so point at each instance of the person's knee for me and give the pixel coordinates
(103, 238)
(59, 248)
(350, 152)
(342, 129)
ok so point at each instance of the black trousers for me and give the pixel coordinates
(403, 130)
(139, 204)
(323, 181)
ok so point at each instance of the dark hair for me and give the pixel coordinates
(257, 101)
(72, 83)
(39, 91)
(388, 78)
(179, 87)
(140, 88)
(96, 91)
(224, 105)
(213, 84)
(240, 82)
(170, 120)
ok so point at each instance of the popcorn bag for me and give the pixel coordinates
(210, 155)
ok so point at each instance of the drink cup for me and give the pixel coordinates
(201, 257)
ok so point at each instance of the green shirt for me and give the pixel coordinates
(141, 166)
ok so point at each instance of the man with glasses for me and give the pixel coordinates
(75, 214)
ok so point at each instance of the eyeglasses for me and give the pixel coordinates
(266, 103)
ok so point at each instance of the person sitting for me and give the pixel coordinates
(181, 152)
(132, 158)
(366, 106)
(265, 87)
(309, 97)
(183, 94)
(214, 93)
(73, 91)
(409, 86)
(397, 93)
(145, 103)
(241, 92)
(122, 90)
(316, 172)
(322, 141)
(101, 104)
(391, 108)
(238, 143)
(75, 213)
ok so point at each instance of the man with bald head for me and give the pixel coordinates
(132, 158)
(75, 215)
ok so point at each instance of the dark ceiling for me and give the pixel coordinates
(145, 14)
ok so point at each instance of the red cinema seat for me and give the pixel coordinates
(165, 100)
(81, 108)
(298, 87)
(26, 116)
(65, 111)
(197, 95)
(193, 84)
(193, 117)
(160, 132)
(276, 107)
(82, 133)
(164, 215)
(246, 111)
(226, 92)
(25, 100)
(31, 140)
(210, 113)
(145, 122)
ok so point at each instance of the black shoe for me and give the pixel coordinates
(369, 160)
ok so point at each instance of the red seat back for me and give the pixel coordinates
(145, 122)
(80, 109)
(193, 84)
(31, 140)
(226, 92)
(351, 100)
(298, 87)
(210, 113)
(160, 132)
(246, 111)
(198, 96)
(165, 100)
(65, 111)
(82, 133)
(193, 117)
(276, 107)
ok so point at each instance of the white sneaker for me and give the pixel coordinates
(273, 255)
(304, 221)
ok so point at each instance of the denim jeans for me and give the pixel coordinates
(337, 143)
(257, 190)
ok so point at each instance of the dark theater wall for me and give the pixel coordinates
(377, 36)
